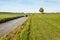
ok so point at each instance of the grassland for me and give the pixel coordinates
(39, 27)
(45, 27)
(9, 16)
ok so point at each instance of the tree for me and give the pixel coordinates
(41, 10)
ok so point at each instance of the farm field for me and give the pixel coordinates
(37, 27)
(9, 16)
(45, 27)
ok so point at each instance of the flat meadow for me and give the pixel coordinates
(9, 16)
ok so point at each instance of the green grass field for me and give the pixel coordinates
(6, 17)
(45, 27)
(39, 27)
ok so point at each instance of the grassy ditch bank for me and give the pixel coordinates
(19, 33)
(8, 17)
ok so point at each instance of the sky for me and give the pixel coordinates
(29, 5)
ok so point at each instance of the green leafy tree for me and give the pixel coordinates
(41, 10)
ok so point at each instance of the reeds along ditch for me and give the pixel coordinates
(23, 35)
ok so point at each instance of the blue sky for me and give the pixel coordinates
(29, 5)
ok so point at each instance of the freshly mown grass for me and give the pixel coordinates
(38, 27)
(45, 27)
(6, 17)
